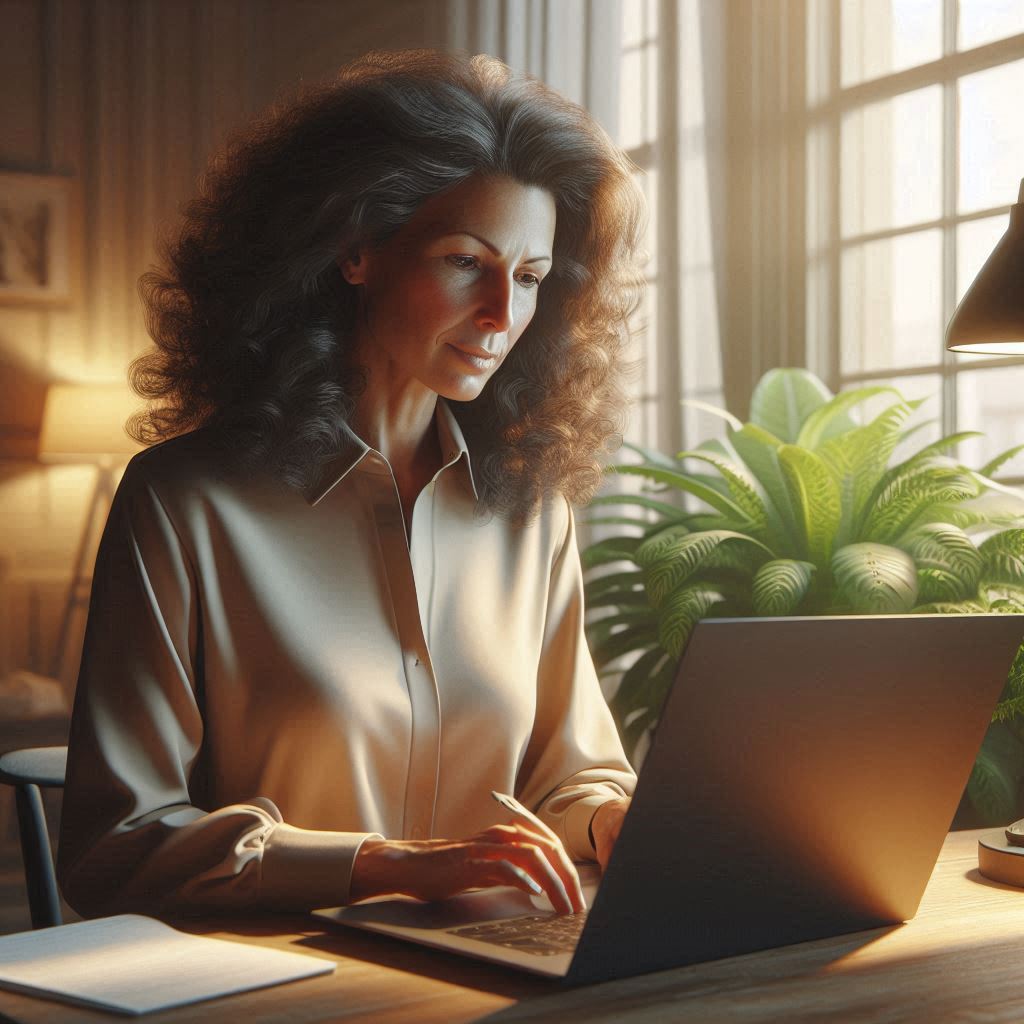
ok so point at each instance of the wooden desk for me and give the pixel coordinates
(959, 959)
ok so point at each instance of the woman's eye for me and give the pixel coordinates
(470, 263)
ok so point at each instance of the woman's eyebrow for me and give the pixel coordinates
(493, 248)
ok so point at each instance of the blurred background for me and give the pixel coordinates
(824, 180)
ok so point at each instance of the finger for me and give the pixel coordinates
(560, 861)
(504, 872)
(520, 829)
(535, 861)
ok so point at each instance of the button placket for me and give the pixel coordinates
(424, 752)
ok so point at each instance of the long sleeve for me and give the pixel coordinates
(575, 761)
(136, 831)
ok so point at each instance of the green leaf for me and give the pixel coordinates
(927, 454)
(814, 496)
(939, 585)
(1011, 700)
(714, 410)
(614, 582)
(993, 464)
(965, 607)
(995, 779)
(947, 551)
(759, 451)
(1008, 592)
(685, 482)
(780, 585)
(623, 642)
(672, 556)
(1003, 557)
(662, 508)
(651, 455)
(614, 549)
(831, 419)
(858, 460)
(681, 612)
(784, 398)
(740, 488)
(634, 685)
(900, 507)
(876, 578)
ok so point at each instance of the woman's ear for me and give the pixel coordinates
(353, 267)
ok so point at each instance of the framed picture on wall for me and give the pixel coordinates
(39, 236)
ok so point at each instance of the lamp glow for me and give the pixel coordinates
(84, 422)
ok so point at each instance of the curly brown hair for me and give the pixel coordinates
(251, 315)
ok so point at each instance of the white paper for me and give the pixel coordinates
(133, 964)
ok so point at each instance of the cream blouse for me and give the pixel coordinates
(269, 678)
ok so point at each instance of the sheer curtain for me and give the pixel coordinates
(572, 45)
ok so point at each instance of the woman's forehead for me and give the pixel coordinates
(486, 208)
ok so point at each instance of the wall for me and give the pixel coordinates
(130, 97)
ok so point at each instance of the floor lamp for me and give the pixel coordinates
(84, 423)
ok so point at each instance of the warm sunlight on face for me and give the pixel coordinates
(454, 289)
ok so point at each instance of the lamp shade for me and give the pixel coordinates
(84, 422)
(990, 317)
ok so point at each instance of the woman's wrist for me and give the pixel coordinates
(372, 870)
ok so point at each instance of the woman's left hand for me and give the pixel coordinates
(606, 825)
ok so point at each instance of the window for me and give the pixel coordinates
(661, 118)
(915, 151)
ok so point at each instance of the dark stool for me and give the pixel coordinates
(27, 771)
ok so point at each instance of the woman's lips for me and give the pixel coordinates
(479, 363)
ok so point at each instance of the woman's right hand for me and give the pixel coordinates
(516, 854)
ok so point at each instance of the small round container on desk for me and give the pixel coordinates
(999, 860)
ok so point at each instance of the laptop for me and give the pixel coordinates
(800, 783)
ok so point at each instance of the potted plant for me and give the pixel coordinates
(799, 512)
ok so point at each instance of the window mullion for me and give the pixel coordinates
(950, 180)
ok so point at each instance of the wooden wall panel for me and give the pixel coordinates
(131, 97)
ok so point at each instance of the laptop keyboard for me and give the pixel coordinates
(539, 934)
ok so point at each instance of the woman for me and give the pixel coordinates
(339, 600)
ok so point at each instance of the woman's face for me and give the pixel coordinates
(453, 290)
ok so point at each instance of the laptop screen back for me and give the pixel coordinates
(803, 774)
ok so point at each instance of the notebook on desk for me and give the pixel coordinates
(800, 783)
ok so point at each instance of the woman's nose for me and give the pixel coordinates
(495, 312)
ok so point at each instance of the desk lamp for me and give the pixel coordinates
(990, 319)
(85, 423)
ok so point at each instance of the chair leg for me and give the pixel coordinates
(40, 880)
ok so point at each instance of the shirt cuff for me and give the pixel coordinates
(303, 869)
(577, 826)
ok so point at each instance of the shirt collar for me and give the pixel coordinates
(353, 449)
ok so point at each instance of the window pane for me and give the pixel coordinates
(984, 21)
(991, 137)
(651, 54)
(632, 22)
(879, 37)
(989, 400)
(631, 99)
(975, 241)
(891, 153)
(891, 303)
